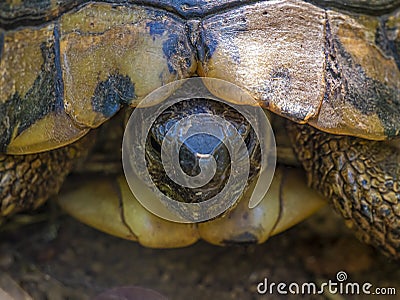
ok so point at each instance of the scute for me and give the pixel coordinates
(336, 71)
(30, 93)
(74, 73)
(106, 52)
(272, 49)
(68, 67)
(362, 76)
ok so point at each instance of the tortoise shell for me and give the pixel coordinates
(67, 67)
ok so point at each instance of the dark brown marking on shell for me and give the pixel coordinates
(110, 94)
(332, 76)
(20, 112)
(368, 95)
(27, 181)
(347, 82)
(361, 178)
(371, 7)
(388, 46)
(58, 80)
(393, 33)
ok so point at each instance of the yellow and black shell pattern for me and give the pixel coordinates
(68, 66)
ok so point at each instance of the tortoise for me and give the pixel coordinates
(330, 68)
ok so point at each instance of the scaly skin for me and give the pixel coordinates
(27, 181)
(360, 177)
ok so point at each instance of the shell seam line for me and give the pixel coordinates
(12, 24)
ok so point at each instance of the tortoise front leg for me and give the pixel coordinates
(360, 177)
(27, 181)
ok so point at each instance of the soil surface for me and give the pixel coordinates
(64, 259)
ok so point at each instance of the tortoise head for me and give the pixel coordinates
(169, 153)
(200, 153)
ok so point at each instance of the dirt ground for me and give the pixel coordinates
(63, 259)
